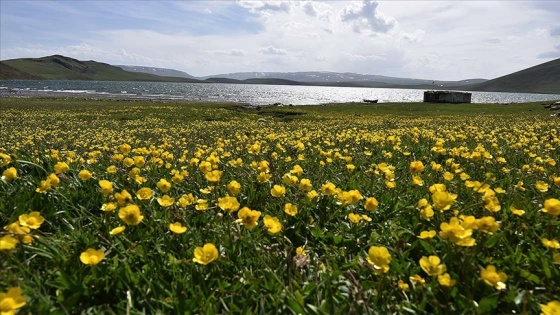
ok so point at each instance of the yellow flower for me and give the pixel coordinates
(92, 256)
(272, 224)
(139, 161)
(44, 186)
(487, 225)
(328, 189)
(417, 279)
(311, 194)
(551, 206)
(290, 209)
(60, 168)
(417, 181)
(354, 218)
(117, 230)
(379, 258)
(234, 187)
(54, 180)
(123, 198)
(371, 204)
(305, 184)
(550, 308)
(163, 185)
(213, 176)
(177, 228)
(437, 187)
(432, 265)
(556, 258)
(32, 220)
(490, 201)
(278, 191)
(457, 233)
(249, 218)
(290, 179)
(201, 205)
(541, 186)
(448, 176)
(427, 235)
(9, 174)
(445, 280)
(551, 243)
(11, 300)
(186, 200)
(416, 167)
(111, 206)
(131, 215)
(166, 201)
(519, 186)
(106, 187)
(402, 285)
(20, 231)
(84, 175)
(228, 204)
(443, 200)
(263, 177)
(515, 211)
(206, 254)
(5, 159)
(493, 278)
(144, 193)
(8, 242)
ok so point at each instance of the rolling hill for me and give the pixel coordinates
(157, 71)
(58, 67)
(543, 78)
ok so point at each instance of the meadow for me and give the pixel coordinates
(136, 207)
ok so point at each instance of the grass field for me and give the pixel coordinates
(131, 207)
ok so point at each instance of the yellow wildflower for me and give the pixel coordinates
(416, 167)
(166, 201)
(111, 206)
(11, 300)
(278, 191)
(144, 193)
(551, 206)
(60, 168)
(8, 242)
(177, 228)
(443, 200)
(379, 258)
(228, 203)
(92, 256)
(328, 189)
(354, 218)
(272, 224)
(117, 230)
(205, 254)
(402, 285)
(9, 174)
(445, 280)
(106, 187)
(432, 265)
(234, 187)
(550, 308)
(554, 244)
(131, 215)
(123, 198)
(371, 204)
(163, 185)
(493, 277)
(541, 186)
(290, 209)
(426, 235)
(249, 218)
(84, 175)
(33, 220)
(515, 211)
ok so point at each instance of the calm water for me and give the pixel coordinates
(247, 93)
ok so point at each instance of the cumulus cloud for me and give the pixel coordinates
(309, 8)
(271, 50)
(365, 18)
(414, 37)
(266, 6)
(357, 57)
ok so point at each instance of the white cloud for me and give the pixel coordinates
(309, 8)
(271, 50)
(230, 52)
(358, 57)
(414, 37)
(266, 7)
(365, 18)
(207, 10)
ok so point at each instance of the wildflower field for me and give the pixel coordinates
(131, 207)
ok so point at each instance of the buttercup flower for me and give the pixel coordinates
(551, 308)
(177, 228)
(11, 300)
(228, 204)
(163, 185)
(8, 242)
(166, 201)
(551, 206)
(554, 244)
(234, 187)
(272, 224)
(92, 256)
(427, 235)
(9, 174)
(493, 277)
(432, 265)
(117, 230)
(379, 258)
(416, 167)
(84, 175)
(443, 200)
(290, 209)
(205, 254)
(278, 191)
(131, 215)
(32, 220)
(123, 198)
(371, 204)
(515, 211)
(61, 167)
(144, 193)
(106, 187)
(445, 280)
(249, 218)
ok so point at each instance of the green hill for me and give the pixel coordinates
(64, 68)
(543, 78)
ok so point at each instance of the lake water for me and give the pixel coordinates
(243, 93)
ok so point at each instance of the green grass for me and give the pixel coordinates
(149, 270)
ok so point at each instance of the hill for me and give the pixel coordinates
(58, 67)
(543, 78)
(157, 71)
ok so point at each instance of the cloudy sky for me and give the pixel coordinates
(446, 40)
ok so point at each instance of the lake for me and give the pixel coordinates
(243, 93)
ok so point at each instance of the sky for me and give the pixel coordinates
(439, 40)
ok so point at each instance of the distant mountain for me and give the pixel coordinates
(58, 67)
(157, 71)
(268, 81)
(348, 78)
(543, 78)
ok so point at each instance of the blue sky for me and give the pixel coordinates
(447, 40)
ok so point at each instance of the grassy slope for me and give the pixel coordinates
(543, 78)
(63, 68)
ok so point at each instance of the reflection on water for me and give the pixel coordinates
(244, 93)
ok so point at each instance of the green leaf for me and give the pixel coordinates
(493, 240)
(487, 304)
